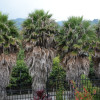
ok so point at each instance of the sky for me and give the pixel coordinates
(61, 9)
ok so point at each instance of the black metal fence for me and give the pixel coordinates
(56, 90)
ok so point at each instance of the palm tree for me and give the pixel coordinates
(39, 43)
(96, 56)
(75, 42)
(8, 50)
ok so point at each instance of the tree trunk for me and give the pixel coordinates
(6, 64)
(75, 66)
(96, 61)
(3, 95)
(38, 61)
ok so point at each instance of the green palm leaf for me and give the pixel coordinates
(8, 33)
(78, 35)
(39, 26)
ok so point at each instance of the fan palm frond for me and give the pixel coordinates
(8, 32)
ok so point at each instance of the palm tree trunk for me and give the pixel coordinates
(6, 65)
(37, 61)
(96, 61)
(3, 95)
(75, 66)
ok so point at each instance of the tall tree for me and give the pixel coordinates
(39, 43)
(96, 56)
(76, 40)
(8, 49)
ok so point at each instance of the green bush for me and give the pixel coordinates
(57, 74)
(20, 77)
(87, 83)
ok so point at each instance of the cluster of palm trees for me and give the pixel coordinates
(75, 42)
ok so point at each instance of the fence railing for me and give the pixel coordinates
(19, 94)
(56, 89)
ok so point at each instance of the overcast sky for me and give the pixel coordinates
(61, 9)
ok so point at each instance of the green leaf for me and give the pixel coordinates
(65, 48)
(74, 53)
(76, 46)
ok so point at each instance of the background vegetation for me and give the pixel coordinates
(20, 75)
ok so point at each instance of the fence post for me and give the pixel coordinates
(20, 82)
(47, 82)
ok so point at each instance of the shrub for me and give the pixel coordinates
(87, 91)
(83, 94)
(41, 96)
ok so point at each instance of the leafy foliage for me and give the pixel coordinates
(87, 91)
(97, 27)
(97, 31)
(93, 89)
(39, 27)
(57, 76)
(81, 95)
(20, 77)
(57, 70)
(76, 37)
(91, 72)
(8, 35)
(41, 96)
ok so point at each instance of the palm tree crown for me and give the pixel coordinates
(40, 28)
(8, 35)
(76, 37)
